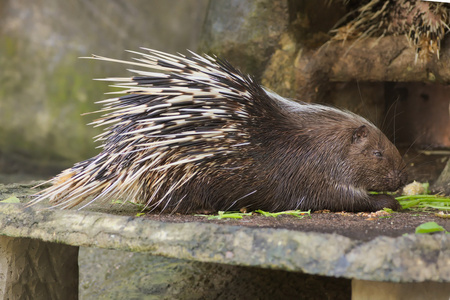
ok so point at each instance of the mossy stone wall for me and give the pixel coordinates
(45, 86)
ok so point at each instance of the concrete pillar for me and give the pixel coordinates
(376, 290)
(33, 269)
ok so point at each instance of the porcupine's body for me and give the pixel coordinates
(205, 137)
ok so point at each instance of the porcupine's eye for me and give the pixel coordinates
(377, 153)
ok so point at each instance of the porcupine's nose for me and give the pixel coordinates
(398, 179)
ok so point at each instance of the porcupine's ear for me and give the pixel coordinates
(359, 134)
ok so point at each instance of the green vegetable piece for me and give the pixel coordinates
(238, 215)
(426, 187)
(297, 213)
(12, 199)
(429, 227)
(424, 201)
(226, 215)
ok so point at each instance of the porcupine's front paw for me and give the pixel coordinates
(381, 201)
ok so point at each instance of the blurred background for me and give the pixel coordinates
(45, 86)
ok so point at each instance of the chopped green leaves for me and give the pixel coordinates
(12, 199)
(424, 201)
(297, 213)
(238, 215)
(226, 215)
(430, 227)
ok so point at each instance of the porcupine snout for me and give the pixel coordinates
(396, 179)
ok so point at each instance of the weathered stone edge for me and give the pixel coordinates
(412, 258)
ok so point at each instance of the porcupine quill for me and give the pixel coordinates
(423, 23)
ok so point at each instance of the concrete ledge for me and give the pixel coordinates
(411, 258)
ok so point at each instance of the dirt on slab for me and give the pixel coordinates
(355, 226)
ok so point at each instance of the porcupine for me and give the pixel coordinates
(195, 134)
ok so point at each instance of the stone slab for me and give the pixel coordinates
(410, 258)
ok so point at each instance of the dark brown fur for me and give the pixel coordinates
(313, 160)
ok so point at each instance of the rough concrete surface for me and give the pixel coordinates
(31, 269)
(113, 274)
(411, 258)
(374, 290)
